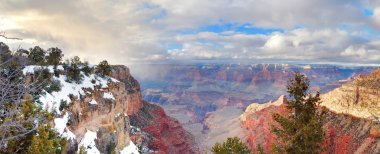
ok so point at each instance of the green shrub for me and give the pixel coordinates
(54, 86)
(63, 105)
(231, 146)
(86, 69)
(103, 69)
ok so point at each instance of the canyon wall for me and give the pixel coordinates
(351, 124)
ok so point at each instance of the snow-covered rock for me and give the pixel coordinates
(108, 95)
(88, 142)
(130, 149)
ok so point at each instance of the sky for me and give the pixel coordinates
(147, 31)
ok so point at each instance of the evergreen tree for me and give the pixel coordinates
(301, 131)
(5, 52)
(37, 55)
(47, 141)
(231, 146)
(73, 70)
(54, 57)
(87, 70)
(103, 69)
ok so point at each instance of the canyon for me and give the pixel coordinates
(351, 124)
(188, 108)
(199, 95)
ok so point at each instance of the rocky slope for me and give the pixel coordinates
(349, 127)
(166, 135)
(95, 113)
(360, 98)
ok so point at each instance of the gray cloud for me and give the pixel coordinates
(140, 30)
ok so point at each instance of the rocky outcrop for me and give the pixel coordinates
(166, 134)
(344, 133)
(108, 116)
(257, 121)
(132, 88)
(360, 98)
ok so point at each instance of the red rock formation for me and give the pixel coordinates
(344, 133)
(132, 87)
(167, 134)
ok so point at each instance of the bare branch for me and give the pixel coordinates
(9, 38)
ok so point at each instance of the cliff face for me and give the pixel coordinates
(108, 117)
(344, 133)
(95, 113)
(132, 88)
(166, 134)
(360, 98)
(349, 127)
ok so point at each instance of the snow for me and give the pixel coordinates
(130, 149)
(60, 123)
(69, 135)
(108, 95)
(88, 142)
(93, 102)
(51, 101)
(32, 68)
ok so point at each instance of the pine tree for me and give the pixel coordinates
(301, 131)
(73, 70)
(37, 55)
(47, 141)
(231, 146)
(87, 70)
(103, 69)
(54, 57)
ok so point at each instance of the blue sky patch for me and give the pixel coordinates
(239, 28)
(368, 12)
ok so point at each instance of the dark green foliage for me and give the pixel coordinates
(37, 55)
(103, 69)
(111, 148)
(63, 105)
(43, 79)
(55, 56)
(73, 70)
(5, 53)
(71, 96)
(22, 52)
(231, 146)
(56, 73)
(54, 86)
(301, 131)
(87, 70)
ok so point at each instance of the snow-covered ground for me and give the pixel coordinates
(88, 142)
(130, 149)
(32, 68)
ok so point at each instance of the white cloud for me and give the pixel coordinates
(275, 42)
(353, 52)
(141, 30)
